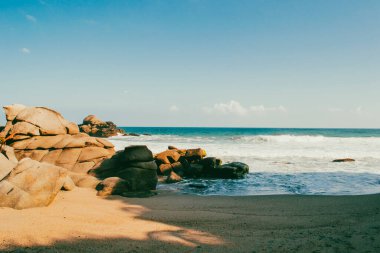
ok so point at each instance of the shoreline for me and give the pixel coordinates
(172, 222)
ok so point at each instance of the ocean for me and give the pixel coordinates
(282, 161)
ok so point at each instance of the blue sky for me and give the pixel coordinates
(250, 63)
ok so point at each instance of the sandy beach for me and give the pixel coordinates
(79, 221)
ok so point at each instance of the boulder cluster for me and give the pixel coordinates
(128, 173)
(98, 128)
(192, 163)
(42, 153)
(44, 135)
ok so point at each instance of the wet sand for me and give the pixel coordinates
(79, 221)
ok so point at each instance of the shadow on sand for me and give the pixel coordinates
(183, 223)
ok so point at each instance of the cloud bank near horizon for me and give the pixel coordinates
(235, 108)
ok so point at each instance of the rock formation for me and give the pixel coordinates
(192, 163)
(44, 135)
(46, 153)
(98, 128)
(130, 171)
(28, 183)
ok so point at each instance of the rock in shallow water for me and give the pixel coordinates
(344, 160)
(192, 163)
(233, 170)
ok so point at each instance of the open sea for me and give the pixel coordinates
(282, 161)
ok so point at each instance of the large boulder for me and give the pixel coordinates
(134, 165)
(93, 126)
(44, 135)
(29, 183)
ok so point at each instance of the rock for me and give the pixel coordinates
(151, 165)
(195, 154)
(83, 180)
(173, 178)
(98, 128)
(211, 162)
(178, 168)
(132, 134)
(167, 157)
(49, 122)
(192, 163)
(135, 165)
(195, 170)
(138, 154)
(343, 160)
(6, 166)
(8, 152)
(233, 170)
(68, 184)
(165, 169)
(112, 186)
(139, 179)
(92, 120)
(11, 111)
(33, 184)
(44, 135)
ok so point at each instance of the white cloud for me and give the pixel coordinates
(25, 50)
(356, 110)
(263, 109)
(235, 108)
(359, 110)
(232, 107)
(30, 18)
(174, 108)
(335, 109)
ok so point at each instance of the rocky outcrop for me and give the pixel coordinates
(44, 135)
(133, 172)
(192, 163)
(98, 128)
(344, 160)
(29, 183)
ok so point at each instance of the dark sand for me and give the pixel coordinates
(78, 221)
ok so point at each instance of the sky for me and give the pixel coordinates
(223, 63)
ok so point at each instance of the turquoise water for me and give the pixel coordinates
(281, 160)
(199, 131)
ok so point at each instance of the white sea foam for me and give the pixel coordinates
(282, 153)
(282, 164)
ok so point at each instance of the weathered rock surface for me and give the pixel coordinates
(44, 135)
(173, 178)
(112, 186)
(192, 163)
(134, 165)
(29, 183)
(98, 128)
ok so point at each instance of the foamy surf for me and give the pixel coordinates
(280, 164)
